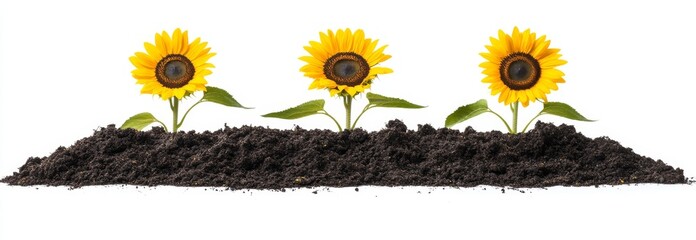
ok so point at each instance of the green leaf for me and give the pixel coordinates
(466, 112)
(220, 96)
(302, 110)
(382, 101)
(139, 121)
(563, 110)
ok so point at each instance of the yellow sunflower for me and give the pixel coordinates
(344, 62)
(172, 66)
(521, 68)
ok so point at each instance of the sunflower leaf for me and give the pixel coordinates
(383, 101)
(139, 121)
(300, 111)
(220, 96)
(563, 110)
(464, 113)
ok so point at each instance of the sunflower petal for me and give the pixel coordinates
(380, 70)
(176, 42)
(146, 60)
(161, 45)
(327, 43)
(552, 63)
(358, 42)
(540, 45)
(202, 60)
(184, 43)
(179, 92)
(516, 40)
(167, 40)
(351, 91)
(348, 40)
(373, 59)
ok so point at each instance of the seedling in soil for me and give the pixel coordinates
(521, 69)
(175, 69)
(345, 64)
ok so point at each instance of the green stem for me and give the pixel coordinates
(530, 121)
(502, 119)
(175, 111)
(347, 102)
(332, 118)
(367, 107)
(515, 107)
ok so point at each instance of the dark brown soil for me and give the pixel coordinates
(262, 158)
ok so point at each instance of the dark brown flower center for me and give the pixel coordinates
(346, 68)
(520, 71)
(174, 71)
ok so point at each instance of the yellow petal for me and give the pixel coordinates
(522, 96)
(504, 95)
(540, 46)
(548, 52)
(176, 42)
(167, 42)
(358, 42)
(143, 73)
(202, 60)
(196, 49)
(380, 70)
(166, 93)
(516, 39)
(552, 63)
(145, 80)
(527, 42)
(359, 88)
(505, 41)
(185, 43)
(189, 87)
(348, 40)
(491, 58)
(327, 42)
(552, 73)
(137, 63)
(319, 50)
(374, 57)
(202, 72)
(512, 97)
(154, 52)
(145, 60)
(333, 92)
(539, 94)
(351, 91)
(179, 92)
(161, 45)
(198, 80)
(370, 48)
(314, 85)
(312, 61)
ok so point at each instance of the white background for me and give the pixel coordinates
(64, 71)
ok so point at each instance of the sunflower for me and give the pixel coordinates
(521, 68)
(344, 62)
(172, 66)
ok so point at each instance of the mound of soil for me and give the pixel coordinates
(263, 158)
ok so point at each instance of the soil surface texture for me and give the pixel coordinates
(263, 158)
